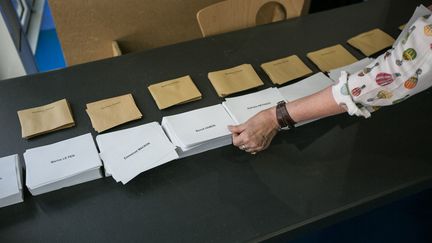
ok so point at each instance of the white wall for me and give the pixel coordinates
(10, 61)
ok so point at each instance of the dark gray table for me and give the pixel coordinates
(315, 175)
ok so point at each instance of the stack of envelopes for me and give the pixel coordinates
(331, 57)
(241, 108)
(10, 181)
(199, 130)
(174, 92)
(233, 80)
(45, 119)
(62, 164)
(109, 113)
(305, 87)
(372, 41)
(286, 69)
(129, 152)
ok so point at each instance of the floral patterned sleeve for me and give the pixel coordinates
(393, 77)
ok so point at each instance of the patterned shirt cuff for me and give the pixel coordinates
(343, 98)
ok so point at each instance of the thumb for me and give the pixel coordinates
(237, 129)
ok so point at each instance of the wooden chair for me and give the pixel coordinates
(230, 15)
(116, 49)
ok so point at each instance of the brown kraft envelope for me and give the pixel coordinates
(109, 113)
(44, 119)
(286, 69)
(372, 41)
(233, 80)
(331, 57)
(176, 91)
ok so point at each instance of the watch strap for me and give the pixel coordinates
(283, 117)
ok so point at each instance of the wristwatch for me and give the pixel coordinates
(283, 117)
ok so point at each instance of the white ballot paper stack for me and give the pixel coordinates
(352, 68)
(66, 163)
(10, 181)
(306, 87)
(129, 152)
(241, 108)
(199, 130)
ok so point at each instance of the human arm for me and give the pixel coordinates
(257, 133)
(396, 75)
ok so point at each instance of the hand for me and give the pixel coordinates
(257, 133)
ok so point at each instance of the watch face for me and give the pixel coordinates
(281, 102)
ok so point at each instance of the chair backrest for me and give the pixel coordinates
(230, 15)
(116, 49)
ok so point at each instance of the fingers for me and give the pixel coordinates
(251, 137)
(238, 140)
(254, 147)
(237, 129)
(249, 143)
(253, 150)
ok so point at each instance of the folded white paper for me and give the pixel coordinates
(241, 108)
(305, 87)
(199, 130)
(129, 152)
(10, 181)
(352, 68)
(419, 12)
(62, 164)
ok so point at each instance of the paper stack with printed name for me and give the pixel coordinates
(62, 164)
(241, 108)
(334, 74)
(199, 130)
(174, 92)
(305, 87)
(10, 181)
(108, 113)
(371, 42)
(233, 80)
(286, 69)
(129, 152)
(45, 119)
(331, 57)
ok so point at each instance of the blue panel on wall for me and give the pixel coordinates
(49, 54)
(47, 19)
